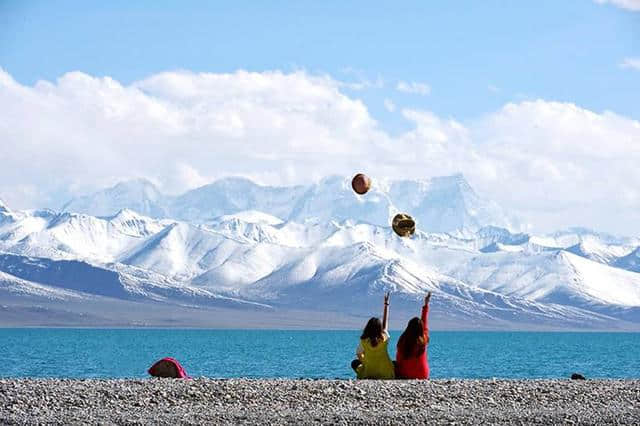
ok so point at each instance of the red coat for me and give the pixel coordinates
(414, 367)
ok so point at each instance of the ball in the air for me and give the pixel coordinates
(361, 183)
(403, 225)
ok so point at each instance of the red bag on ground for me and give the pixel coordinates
(168, 367)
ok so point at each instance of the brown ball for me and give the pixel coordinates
(361, 183)
(403, 225)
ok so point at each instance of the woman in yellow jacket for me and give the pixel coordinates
(373, 358)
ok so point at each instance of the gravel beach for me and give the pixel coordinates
(244, 401)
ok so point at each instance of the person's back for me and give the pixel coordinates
(376, 363)
(411, 355)
(373, 360)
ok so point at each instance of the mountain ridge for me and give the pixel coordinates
(327, 255)
(444, 204)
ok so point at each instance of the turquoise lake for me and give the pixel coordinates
(112, 353)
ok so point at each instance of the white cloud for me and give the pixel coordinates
(389, 105)
(362, 81)
(624, 4)
(554, 164)
(633, 63)
(177, 128)
(413, 87)
(562, 163)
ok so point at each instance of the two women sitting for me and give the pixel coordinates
(373, 360)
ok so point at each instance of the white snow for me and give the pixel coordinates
(552, 277)
(15, 285)
(324, 244)
(592, 248)
(442, 204)
(603, 283)
(139, 195)
(251, 216)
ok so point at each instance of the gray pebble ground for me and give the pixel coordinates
(243, 401)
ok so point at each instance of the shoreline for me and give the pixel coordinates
(305, 401)
(394, 330)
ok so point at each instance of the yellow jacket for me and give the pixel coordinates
(376, 363)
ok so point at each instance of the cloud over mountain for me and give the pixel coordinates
(543, 160)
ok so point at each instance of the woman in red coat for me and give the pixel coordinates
(411, 355)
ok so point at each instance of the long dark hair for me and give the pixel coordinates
(373, 331)
(412, 342)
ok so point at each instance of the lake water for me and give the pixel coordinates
(110, 353)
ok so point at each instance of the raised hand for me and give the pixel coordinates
(427, 298)
(385, 311)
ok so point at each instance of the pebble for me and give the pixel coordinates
(250, 401)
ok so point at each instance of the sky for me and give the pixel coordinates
(534, 102)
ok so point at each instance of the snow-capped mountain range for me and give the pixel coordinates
(443, 204)
(239, 246)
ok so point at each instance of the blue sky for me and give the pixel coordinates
(566, 50)
(535, 102)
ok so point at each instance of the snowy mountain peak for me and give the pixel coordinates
(342, 182)
(593, 248)
(5, 213)
(131, 223)
(233, 195)
(602, 283)
(501, 235)
(139, 184)
(630, 262)
(576, 235)
(456, 181)
(137, 194)
(3, 207)
(251, 216)
(124, 215)
(447, 204)
(333, 199)
(234, 182)
(65, 217)
(6, 216)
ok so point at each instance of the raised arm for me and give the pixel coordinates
(425, 314)
(385, 312)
